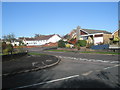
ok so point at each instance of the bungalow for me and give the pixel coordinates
(92, 36)
(41, 40)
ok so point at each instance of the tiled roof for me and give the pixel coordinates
(42, 37)
(90, 31)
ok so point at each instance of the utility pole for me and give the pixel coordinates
(78, 33)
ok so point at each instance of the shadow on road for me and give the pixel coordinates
(86, 83)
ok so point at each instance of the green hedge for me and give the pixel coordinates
(81, 43)
(61, 44)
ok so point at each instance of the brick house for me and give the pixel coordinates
(90, 35)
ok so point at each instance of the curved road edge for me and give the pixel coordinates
(35, 69)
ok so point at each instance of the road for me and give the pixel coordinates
(74, 71)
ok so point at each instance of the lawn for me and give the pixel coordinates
(113, 53)
(32, 53)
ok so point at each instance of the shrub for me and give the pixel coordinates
(5, 51)
(67, 45)
(89, 45)
(10, 48)
(6, 48)
(81, 43)
(61, 44)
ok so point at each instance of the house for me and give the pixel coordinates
(116, 34)
(115, 40)
(50, 44)
(41, 40)
(90, 35)
(15, 43)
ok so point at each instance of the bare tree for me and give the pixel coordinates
(9, 37)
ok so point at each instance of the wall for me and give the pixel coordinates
(36, 42)
(106, 46)
(54, 39)
(106, 38)
(98, 40)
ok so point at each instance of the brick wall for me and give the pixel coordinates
(106, 38)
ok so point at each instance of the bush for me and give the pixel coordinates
(67, 45)
(81, 43)
(89, 45)
(61, 44)
(10, 48)
(6, 48)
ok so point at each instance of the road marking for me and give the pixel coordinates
(90, 60)
(33, 63)
(47, 82)
(87, 73)
(112, 67)
(117, 65)
(107, 68)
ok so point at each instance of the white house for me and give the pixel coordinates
(41, 40)
(15, 43)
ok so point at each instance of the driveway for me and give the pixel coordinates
(74, 71)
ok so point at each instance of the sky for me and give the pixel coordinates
(30, 18)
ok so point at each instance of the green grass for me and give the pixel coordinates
(113, 53)
(32, 53)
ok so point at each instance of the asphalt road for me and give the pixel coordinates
(74, 71)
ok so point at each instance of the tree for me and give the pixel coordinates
(61, 44)
(37, 35)
(9, 37)
(6, 48)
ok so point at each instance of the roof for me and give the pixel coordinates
(118, 30)
(90, 31)
(42, 37)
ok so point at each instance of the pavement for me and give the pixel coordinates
(28, 63)
(73, 71)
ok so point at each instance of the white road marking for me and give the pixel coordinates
(90, 60)
(114, 62)
(112, 66)
(107, 68)
(33, 63)
(87, 73)
(117, 65)
(47, 82)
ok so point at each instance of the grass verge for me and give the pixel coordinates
(32, 53)
(113, 53)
